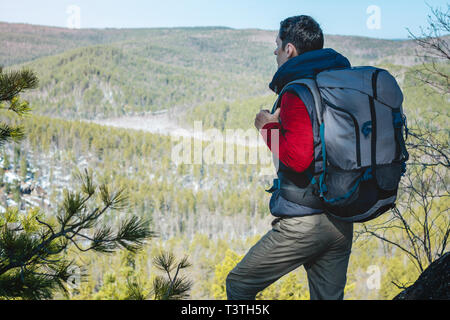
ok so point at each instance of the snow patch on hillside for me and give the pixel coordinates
(162, 123)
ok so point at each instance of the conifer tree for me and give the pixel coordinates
(33, 247)
(174, 287)
(6, 162)
(33, 260)
(13, 83)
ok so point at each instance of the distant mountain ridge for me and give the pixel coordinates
(25, 42)
(101, 73)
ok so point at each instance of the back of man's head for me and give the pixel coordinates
(303, 32)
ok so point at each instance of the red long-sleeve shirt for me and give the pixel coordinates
(296, 141)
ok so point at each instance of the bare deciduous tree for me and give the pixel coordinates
(422, 209)
(433, 50)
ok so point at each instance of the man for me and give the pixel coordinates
(301, 234)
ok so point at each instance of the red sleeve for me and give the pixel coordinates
(296, 141)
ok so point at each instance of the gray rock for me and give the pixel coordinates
(432, 284)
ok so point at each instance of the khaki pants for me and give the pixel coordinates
(319, 242)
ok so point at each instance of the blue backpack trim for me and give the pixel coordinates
(366, 176)
(276, 185)
(322, 186)
(366, 128)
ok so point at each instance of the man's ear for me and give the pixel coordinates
(291, 51)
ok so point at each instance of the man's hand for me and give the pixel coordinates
(264, 116)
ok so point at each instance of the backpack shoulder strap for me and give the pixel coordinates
(311, 84)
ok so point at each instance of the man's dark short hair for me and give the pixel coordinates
(303, 32)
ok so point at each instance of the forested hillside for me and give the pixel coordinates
(212, 212)
(110, 73)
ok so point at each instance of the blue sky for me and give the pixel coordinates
(388, 19)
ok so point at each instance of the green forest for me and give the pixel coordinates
(206, 215)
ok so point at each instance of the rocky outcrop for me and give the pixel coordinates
(433, 283)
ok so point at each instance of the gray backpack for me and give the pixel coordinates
(362, 126)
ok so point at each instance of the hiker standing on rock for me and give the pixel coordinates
(301, 234)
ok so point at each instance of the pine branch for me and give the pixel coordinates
(13, 83)
(10, 133)
(174, 287)
(36, 259)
